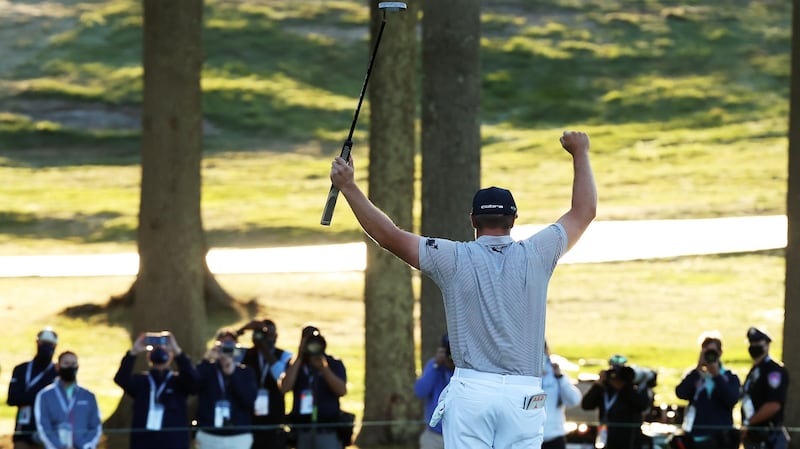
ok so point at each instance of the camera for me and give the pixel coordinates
(152, 339)
(232, 350)
(711, 356)
(625, 374)
(315, 345)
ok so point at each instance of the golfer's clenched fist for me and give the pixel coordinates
(575, 142)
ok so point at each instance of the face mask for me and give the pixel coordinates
(45, 352)
(159, 356)
(68, 374)
(756, 351)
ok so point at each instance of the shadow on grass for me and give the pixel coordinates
(99, 228)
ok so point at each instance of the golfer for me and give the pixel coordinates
(495, 291)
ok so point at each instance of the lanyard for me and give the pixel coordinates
(31, 382)
(62, 401)
(609, 402)
(155, 393)
(221, 382)
(261, 366)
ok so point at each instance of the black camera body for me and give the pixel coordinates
(711, 356)
(315, 345)
(622, 373)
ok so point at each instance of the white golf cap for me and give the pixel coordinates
(47, 335)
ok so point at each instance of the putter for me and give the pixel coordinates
(333, 193)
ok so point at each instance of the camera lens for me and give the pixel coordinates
(711, 356)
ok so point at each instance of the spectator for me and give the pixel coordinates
(67, 416)
(27, 379)
(269, 364)
(764, 397)
(561, 393)
(435, 377)
(620, 405)
(712, 391)
(317, 381)
(160, 416)
(226, 393)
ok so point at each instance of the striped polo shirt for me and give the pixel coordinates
(495, 293)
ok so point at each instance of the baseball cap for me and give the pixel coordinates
(755, 334)
(493, 201)
(47, 335)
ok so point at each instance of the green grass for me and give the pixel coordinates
(650, 311)
(686, 107)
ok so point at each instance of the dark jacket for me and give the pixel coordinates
(714, 411)
(326, 401)
(623, 417)
(22, 393)
(239, 389)
(173, 397)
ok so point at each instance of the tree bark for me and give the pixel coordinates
(451, 158)
(791, 333)
(388, 294)
(169, 291)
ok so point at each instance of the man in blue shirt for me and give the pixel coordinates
(67, 415)
(435, 377)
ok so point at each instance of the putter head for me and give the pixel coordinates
(392, 6)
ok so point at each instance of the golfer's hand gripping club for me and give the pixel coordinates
(333, 193)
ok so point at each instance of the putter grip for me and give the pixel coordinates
(330, 204)
(333, 193)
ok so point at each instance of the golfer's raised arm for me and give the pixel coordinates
(375, 223)
(584, 191)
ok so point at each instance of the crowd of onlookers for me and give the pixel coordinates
(240, 393)
(241, 396)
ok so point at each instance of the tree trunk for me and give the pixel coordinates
(451, 159)
(388, 294)
(169, 290)
(791, 333)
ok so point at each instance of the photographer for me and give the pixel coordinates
(317, 381)
(269, 363)
(160, 415)
(621, 405)
(226, 391)
(712, 392)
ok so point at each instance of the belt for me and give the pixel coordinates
(511, 379)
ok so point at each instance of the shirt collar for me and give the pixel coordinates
(491, 240)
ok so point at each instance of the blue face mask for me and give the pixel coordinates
(159, 355)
